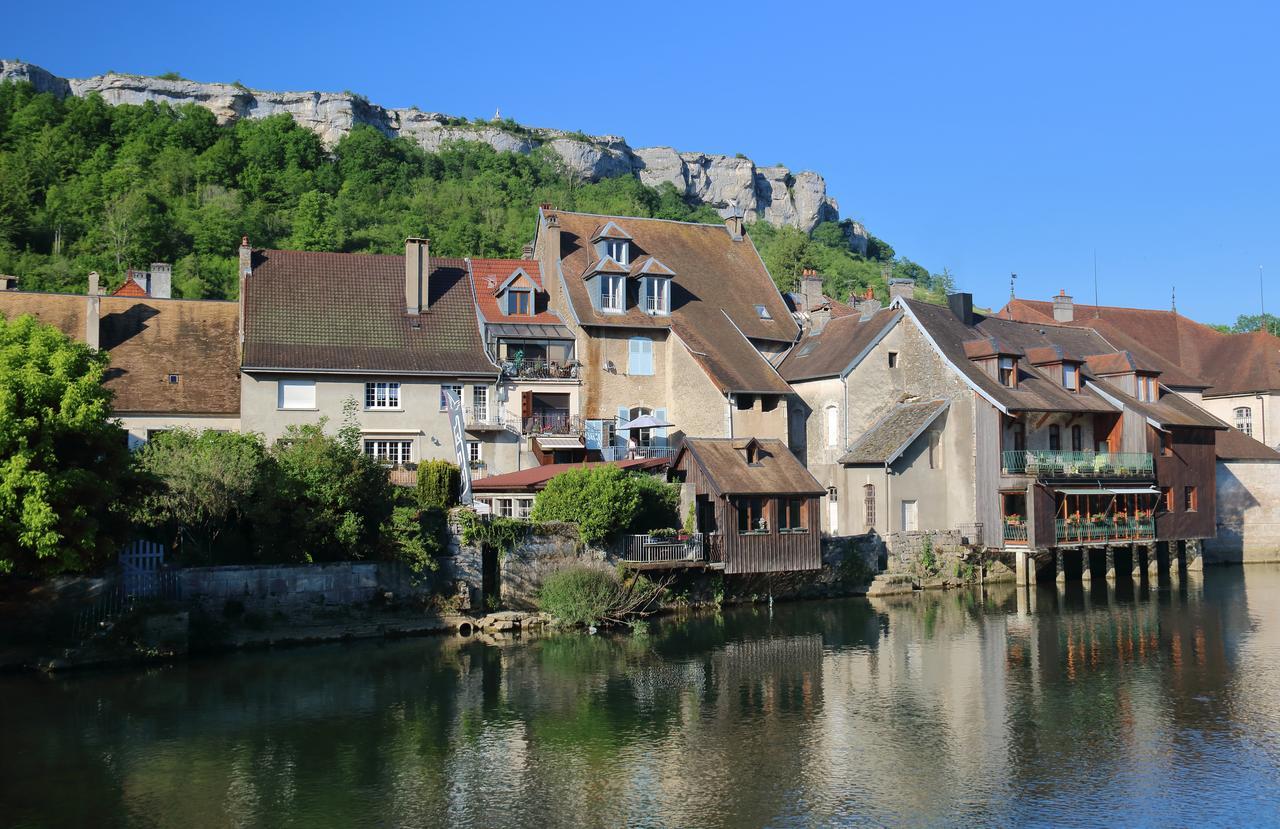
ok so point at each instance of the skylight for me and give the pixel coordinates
(763, 312)
(807, 348)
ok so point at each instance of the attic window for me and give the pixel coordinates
(1008, 372)
(519, 302)
(763, 312)
(173, 379)
(657, 295)
(1071, 376)
(753, 454)
(1148, 392)
(619, 251)
(893, 359)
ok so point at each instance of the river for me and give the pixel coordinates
(1089, 706)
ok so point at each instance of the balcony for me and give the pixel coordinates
(1015, 533)
(622, 453)
(1049, 463)
(487, 418)
(539, 369)
(685, 549)
(552, 423)
(1103, 529)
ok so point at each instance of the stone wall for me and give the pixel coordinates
(286, 589)
(1248, 504)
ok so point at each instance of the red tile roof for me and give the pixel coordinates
(535, 478)
(130, 288)
(489, 274)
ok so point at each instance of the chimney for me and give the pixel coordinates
(734, 220)
(526, 252)
(246, 270)
(160, 282)
(92, 312)
(962, 306)
(868, 308)
(818, 319)
(811, 289)
(1063, 308)
(417, 270)
(902, 287)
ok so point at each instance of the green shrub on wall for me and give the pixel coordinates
(438, 484)
(605, 500)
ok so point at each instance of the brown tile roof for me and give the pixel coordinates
(345, 312)
(725, 464)
(890, 436)
(130, 287)
(148, 340)
(535, 478)
(834, 351)
(1117, 362)
(1187, 353)
(490, 274)
(1235, 445)
(717, 285)
(1172, 409)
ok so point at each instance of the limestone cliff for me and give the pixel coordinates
(774, 194)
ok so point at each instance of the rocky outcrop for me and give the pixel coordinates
(773, 194)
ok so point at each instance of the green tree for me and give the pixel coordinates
(1246, 323)
(65, 463)
(315, 227)
(605, 500)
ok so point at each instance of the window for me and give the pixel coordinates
(1190, 499)
(480, 403)
(935, 450)
(833, 426)
(1166, 498)
(473, 453)
(1077, 439)
(444, 400)
(505, 507)
(1147, 389)
(1019, 437)
(518, 302)
(807, 348)
(1244, 420)
(763, 312)
(173, 379)
(382, 395)
(1055, 438)
(619, 251)
(640, 437)
(1008, 372)
(1071, 376)
(657, 296)
(524, 506)
(611, 293)
(869, 505)
(751, 515)
(893, 359)
(393, 452)
(792, 516)
(640, 356)
(296, 394)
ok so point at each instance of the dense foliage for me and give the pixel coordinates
(589, 595)
(86, 186)
(64, 465)
(438, 484)
(605, 500)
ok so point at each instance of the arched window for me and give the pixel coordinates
(1244, 420)
(833, 426)
(869, 504)
(641, 437)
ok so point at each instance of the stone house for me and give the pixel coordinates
(1248, 498)
(390, 333)
(675, 320)
(174, 362)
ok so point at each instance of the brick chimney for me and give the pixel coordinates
(734, 220)
(417, 270)
(160, 280)
(1064, 309)
(547, 250)
(527, 252)
(93, 312)
(902, 287)
(811, 289)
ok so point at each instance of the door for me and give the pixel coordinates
(910, 516)
(833, 515)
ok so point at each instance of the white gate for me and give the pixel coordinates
(140, 564)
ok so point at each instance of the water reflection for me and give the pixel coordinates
(1084, 705)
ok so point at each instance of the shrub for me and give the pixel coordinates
(582, 595)
(605, 500)
(659, 504)
(438, 483)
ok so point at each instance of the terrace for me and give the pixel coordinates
(1050, 463)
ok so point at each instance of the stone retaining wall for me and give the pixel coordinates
(271, 588)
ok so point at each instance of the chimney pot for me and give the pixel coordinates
(1063, 308)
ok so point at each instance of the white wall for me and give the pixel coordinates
(139, 425)
(1224, 409)
(1248, 512)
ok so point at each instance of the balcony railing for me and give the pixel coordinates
(622, 453)
(1069, 531)
(538, 369)
(1015, 533)
(552, 423)
(1048, 463)
(649, 549)
(487, 417)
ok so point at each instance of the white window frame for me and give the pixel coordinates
(475, 454)
(633, 352)
(504, 507)
(283, 396)
(619, 250)
(523, 506)
(657, 295)
(391, 451)
(1244, 419)
(457, 387)
(480, 404)
(1010, 365)
(381, 396)
(1071, 376)
(612, 301)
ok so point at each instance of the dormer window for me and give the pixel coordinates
(1008, 372)
(1071, 376)
(1148, 390)
(618, 250)
(657, 295)
(520, 303)
(611, 293)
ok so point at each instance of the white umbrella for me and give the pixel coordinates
(644, 422)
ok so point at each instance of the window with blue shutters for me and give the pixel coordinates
(640, 356)
(660, 432)
(591, 436)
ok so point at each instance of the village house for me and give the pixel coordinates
(674, 322)
(174, 362)
(1235, 377)
(511, 494)
(1037, 439)
(385, 334)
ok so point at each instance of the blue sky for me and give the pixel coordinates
(987, 138)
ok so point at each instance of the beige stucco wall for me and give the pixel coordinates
(1037, 432)
(755, 421)
(138, 425)
(1224, 409)
(1248, 500)
(419, 418)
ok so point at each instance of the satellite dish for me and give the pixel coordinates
(608, 366)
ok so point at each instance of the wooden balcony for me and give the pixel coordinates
(654, 552)
(1048, 463)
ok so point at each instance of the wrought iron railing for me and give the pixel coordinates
(1048, 463)
(651, 549)
(538, 369)
(1015, 533)
(1071, 531)
(493, 417)
(622, 453)
(552, 423)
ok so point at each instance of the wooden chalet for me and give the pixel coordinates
(756, 504)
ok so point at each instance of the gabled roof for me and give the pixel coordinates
(148, 340)
(989, 346)
(776, 471)
(650, 266)
(890, 436)
(843, 342)
(491, 275)
(130, 287)
(610, 230)
(1118, 362)
(1172, 409)
(535, 478)
(344, 312)
(516, 275)
(1042, 355)
(1188, 353)
(1235, 445)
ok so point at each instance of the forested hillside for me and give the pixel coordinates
(87, 186)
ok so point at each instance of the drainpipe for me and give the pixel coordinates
(888, 503)
(728, 413)
(1262, 403)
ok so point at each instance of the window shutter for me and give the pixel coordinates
(640, 356)
(620, 438)
(526, 405)
(660, 432)
(592, 434)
